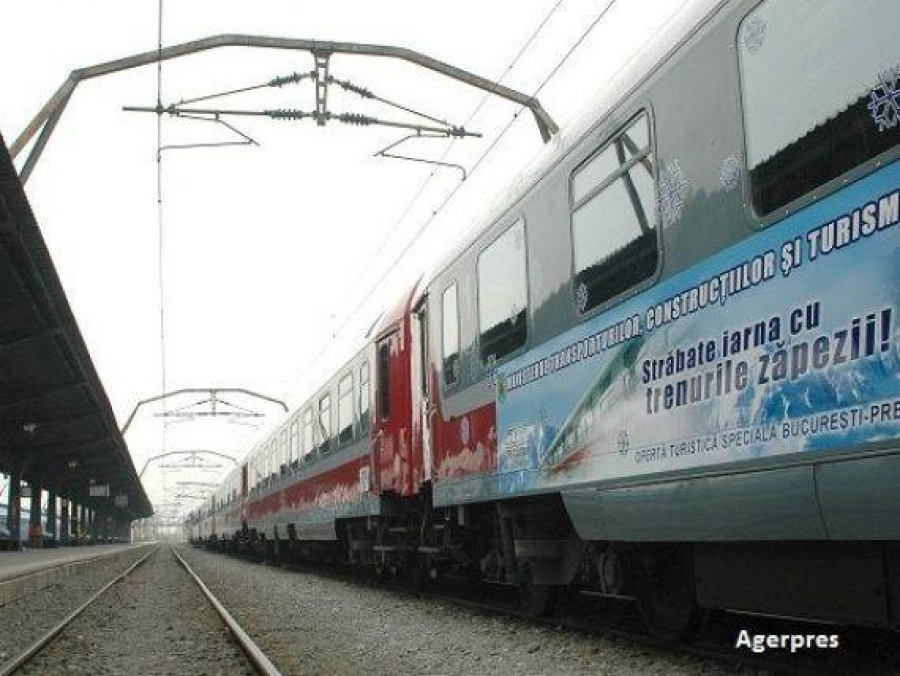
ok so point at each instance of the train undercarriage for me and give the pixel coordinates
(530, 545)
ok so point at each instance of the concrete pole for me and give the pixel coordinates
(35, 530)
(63, 521)
(14, 512)
(50, 534)
(94, 524)
(83, 519)
(73, 524)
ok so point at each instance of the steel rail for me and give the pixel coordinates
(18, 662)
(257, 657)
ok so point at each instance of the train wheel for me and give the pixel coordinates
(666, 593)
(535, 600)
(417, 572)
(382, 568)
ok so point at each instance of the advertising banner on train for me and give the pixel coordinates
(785, 343)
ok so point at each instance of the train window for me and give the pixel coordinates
(450, 340)
(283, 451)
(384, 380)
(308, 431)
(345, 408)
(364, 396)
(613, 218)
(503, 294)
(325, 422)
(295, 440)
(811, 86)
(609, 161)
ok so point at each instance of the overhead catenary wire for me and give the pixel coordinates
(159, 222)
(435, 212)
(425, 183)
(421, 189)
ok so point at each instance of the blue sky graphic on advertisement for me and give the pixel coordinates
(787, 342)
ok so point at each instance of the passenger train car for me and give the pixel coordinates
(667, 367)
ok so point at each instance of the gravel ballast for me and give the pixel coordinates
(155, 621)
(24, 620)
(313, 624)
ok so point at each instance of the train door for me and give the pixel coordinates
(396, 464)
(422, 406)
(387, 447)
(245, 489)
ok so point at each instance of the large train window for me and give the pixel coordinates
(364, 396)
(283, 458)
(450, 337)
(345, 408)
(325, 423)
(503, 294)
(295, 440)
(819, 81)
(309, 435)
(613, 218)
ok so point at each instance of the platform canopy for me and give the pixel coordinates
(56, 423)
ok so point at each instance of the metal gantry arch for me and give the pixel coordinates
(48, 117)
(154, 458)
(213, 399)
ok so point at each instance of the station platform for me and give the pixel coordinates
(24, 572)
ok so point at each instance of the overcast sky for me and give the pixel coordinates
(266, 250)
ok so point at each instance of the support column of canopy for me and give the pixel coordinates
(35, 527)
(14, 510)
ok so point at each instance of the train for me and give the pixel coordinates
(667, 365)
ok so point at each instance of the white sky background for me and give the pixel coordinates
(267, 249)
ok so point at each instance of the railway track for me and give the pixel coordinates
(260, 663)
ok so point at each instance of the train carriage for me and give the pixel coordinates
(668, 367)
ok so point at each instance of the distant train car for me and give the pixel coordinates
(668, 368)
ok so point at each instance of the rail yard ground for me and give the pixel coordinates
(329, 620)
(310, 623)
(155, 621)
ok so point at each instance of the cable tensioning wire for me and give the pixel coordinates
(469, 119)
(415, 198)
(482, 157)
(474, 168)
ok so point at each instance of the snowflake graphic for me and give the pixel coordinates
(753, 34)
(884, 99)
(670, 195)
(730, 173)
(623, 442)
(490, 364)
(581, 297)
